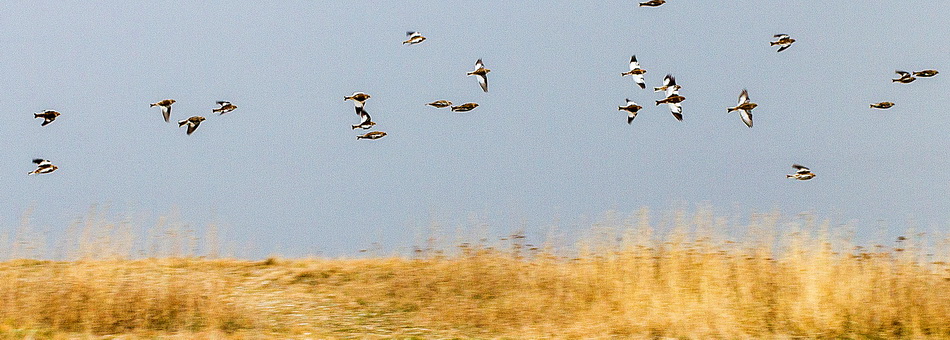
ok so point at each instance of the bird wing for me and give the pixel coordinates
(780, 36)
(630, 102)
(902, 73)
(633, 63)
(743, 97)
(411, 33)
(479, 64)
(365, 117)
(167, 112)
(192, 126)
(639, 79)
(746, 117)
(483, 81)
(784, 47)
(800, 168)
(677, 110)
(41, 162)
(630, 116)
(224, 103)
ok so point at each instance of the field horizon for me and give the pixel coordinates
(780, 277)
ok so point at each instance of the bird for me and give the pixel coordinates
(43, 166)
(926, 73)
(440, 104)
(801, 173)
(414, 38)
(784, 42)
(744, 107)
(366, 122)
(673, 98)
(636, 72)
(631, 109)
(225, 107)
(652, 3)
(358, 98)
(668, 82)
(905, 77)
(192, 122)
(464, 107)
(372, 135)
(166, 107)
(481, 73)
(48, 116)
(882, 105)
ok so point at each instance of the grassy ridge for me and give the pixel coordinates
(622, 281)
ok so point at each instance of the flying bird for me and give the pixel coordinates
(802, 173)
(372, 135)
(464, 107)
(905, 78)
(481, 73)
(652, 3)
(43, 166)
(744, 107)
(225, 107)
(668, 83)
(784, 42)
(48, 116)
(636, 72)
(166, 106)
(192, 122)
(673, 98)
(882, 105)
(414, 38)
(440, 104)
(358, 98)
(631, 109)
(926, 73)
(366, 122)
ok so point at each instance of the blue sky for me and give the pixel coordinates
(286, 173)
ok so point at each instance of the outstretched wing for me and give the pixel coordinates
(780, 36)
(746, 117)
(167, 112)
(800, 168)
(483, 82)
(744, 97)
(633, 63)
(479, 64)
(364, 115)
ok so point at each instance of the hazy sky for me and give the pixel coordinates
(286, 172)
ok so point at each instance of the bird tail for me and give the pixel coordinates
(789, 176)
(182, 122)
(355, 126)
(345, 98)
(658, 102)
(152, 104)
(731, 109)
(36, 115)
(773, 43)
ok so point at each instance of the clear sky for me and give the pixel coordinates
(285, 171)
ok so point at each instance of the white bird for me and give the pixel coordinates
(481, 73)
(414, 38)
(744, 107)
(636, 72)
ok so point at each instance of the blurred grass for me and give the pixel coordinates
(777, 277)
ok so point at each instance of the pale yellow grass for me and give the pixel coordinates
(789, 279)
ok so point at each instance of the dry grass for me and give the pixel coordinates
(780, 279)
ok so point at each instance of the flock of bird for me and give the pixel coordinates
(44, 166)
(670, 88)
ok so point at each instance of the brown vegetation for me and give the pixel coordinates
(778, 280)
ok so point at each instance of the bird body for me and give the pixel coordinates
(366, 122)
(372, 135)
(631, 109)
(636, 72)
(464, 107)
(414, 38)
(43, 166)
(440, 104)
(926, 73)
(225, 107)
(192, 123)
(882, 105)
(48, 116)
(166, 106)
(801, 173)
(744, 107)
(359, 99)
(784, 42)
(652, 3)
(481, 73)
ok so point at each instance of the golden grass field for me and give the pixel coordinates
(781, 278)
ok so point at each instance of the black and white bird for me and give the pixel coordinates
(365, 121)
(440, 104)
(225, 107)
(652, 3)
(926, 73)
(744, 107)
(43, 166)
(166, 106)
(465, 107)
(631, 109)
(784, 42)
(192, 123)
(636, 72)
(673, 98)
(413, 38)
(481, 73)
(48, 116)
(905, 78)
(801, 173)
(359, 99)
